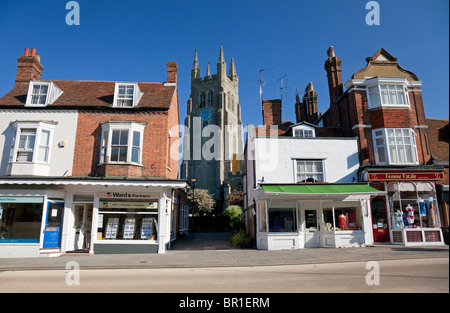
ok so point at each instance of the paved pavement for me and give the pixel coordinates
(214, 250)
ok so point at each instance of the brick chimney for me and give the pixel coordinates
(306, 111)
(29, 67)
(333, 68)
(271, 112)
(172, 69)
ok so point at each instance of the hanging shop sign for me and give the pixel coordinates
(395, 176)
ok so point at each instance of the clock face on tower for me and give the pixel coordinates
(205, 114)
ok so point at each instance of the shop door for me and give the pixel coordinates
(379, 220)
(52, 230)
(82, 226)
(312, 229)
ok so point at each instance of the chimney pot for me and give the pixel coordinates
(27, 52)
(33, 52)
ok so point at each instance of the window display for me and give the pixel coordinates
(414, 203)
(20, 222)
(282, 220)
(348, 218)
(128, 220)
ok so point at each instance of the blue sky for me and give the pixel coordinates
(132, 41)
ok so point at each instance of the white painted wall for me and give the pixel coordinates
(61, 158)
(275, 158)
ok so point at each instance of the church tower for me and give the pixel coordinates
(213, 135)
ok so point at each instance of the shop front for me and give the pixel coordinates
(409, 213)
(86, 216)
(296, 216)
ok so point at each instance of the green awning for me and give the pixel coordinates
(320, 188)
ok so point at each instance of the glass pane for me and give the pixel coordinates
(123, 154)
(381, 154)
(44, 89)
(318, 167)
(114, 154)
(319, 177)
(136, 139)
(384, 95)
(380, 141)
(42, 99)
(309, 167)
(135, 155)
(398, 132)
(378, 133)
(35, 100)
(43, 154)
(36, 89)
(399, 140)
(115, 137)
(406, 132)
(45, 137)
(409, 155)
(121, 90)
(390, 132)
(25, 156)
(392, 95)
(124, 137)
(130, 90)
(391, 140)
(393, 154)
(401, 154)
(311, 219)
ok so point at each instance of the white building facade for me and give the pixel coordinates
(301, 191)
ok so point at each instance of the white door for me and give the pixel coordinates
(311, 222)
(82, 214)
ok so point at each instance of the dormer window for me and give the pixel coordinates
(42, 93)
(127, 95)
(304, 130)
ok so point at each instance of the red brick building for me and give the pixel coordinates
(101, 158)
(401, 152)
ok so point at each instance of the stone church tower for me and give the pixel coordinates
(213, 136)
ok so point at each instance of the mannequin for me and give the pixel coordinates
(432, 215)
(410, 214)
(342, 221)
(398, 219)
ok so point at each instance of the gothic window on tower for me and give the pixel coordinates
(202, 100)
(210, 98)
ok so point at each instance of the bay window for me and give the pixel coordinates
(31, 142)
(387, 92)
(122, 142)
(394, 146)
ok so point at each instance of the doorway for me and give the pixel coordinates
(311, 224)
(379, 220)
(81, 231)
(52, 230)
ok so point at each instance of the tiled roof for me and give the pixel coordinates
(93, 94)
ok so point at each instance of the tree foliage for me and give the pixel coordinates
(201, 200)
(234, 212)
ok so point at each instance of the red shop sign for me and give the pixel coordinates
(393, 176)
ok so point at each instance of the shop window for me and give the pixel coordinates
(345, 218)
(309, 171)
(413, 205)
(20, 222)
(128, 220)
(122, 142)
(282, 220)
